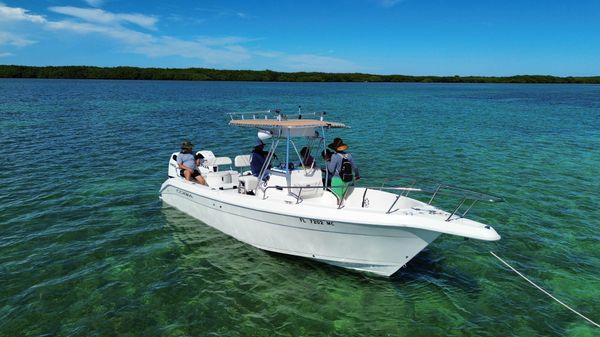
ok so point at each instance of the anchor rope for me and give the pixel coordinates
(544, 291)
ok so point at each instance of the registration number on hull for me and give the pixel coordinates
(316, 222)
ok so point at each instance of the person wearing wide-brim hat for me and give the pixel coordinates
(342, 167)
(336, 142)
(258, 158)
(186, 161)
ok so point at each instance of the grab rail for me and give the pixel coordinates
(263, 114)
(276, 112)
(298, 196)
(440, 189)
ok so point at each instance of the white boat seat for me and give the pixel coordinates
(173, 168)
(208, 155)
(247, 184)
(222, 161)
(225, 179)
(224, 176)
(210, 163)
(213, 163)
(242, 160)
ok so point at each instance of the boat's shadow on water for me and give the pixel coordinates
(430, 266)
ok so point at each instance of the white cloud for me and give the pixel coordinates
(11, 36)
(15, 40)
(389, 3)
(225, 54)
(311, 62)
(216, 13)
(211, 50)
(124, 29)
(107, 18)
(18, 14)
(269, 54)
(94, 3)
(119, 33)
(222, 41)
(5, 54)
(307, 62)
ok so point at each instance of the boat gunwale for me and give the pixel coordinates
(348, 215)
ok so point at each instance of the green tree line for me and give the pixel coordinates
(204, 74)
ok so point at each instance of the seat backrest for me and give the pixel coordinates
(222, 161)
(208, 155)
(173, 169)
(242, 160)
(208, 161)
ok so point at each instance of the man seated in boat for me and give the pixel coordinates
(307, 160)
(186, 161)
(258, 158)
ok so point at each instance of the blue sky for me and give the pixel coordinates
(412, 37)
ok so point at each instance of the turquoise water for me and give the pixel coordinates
(87, 248)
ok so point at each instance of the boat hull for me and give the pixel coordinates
(365, 247)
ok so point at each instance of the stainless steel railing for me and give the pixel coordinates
(277, 113)
(466, 196)
(471, 197)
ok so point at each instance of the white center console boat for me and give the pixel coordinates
(288, 209)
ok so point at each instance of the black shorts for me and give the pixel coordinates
(194, 174)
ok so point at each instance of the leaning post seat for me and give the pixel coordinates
(225, 179)
(303, 183)
(219, 161)
(247, 184)
(242, 161)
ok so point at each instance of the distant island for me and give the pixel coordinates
(204, 74)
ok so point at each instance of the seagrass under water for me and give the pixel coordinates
(86, 247)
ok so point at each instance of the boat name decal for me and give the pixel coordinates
(316, 222)
(182, 192)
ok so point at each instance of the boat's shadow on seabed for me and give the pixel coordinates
(427, 267)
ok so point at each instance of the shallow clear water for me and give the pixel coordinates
(87, 248)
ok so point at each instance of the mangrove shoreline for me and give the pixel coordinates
(205, 74)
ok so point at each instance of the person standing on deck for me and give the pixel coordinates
(343, 168)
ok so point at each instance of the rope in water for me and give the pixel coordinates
(544, 291)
